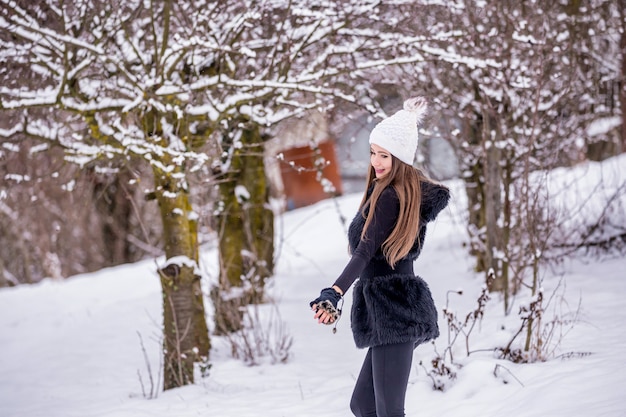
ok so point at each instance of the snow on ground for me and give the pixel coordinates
(73, 348)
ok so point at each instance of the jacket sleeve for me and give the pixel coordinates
(383, 221)
(435, 197)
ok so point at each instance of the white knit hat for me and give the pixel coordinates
(398, 133)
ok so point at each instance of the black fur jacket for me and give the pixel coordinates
(394, 305)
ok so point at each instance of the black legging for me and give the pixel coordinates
(381, 387)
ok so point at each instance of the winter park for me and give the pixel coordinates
(272, 208)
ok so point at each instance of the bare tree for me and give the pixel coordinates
(177, 86)
(531, 108)
(98, 88)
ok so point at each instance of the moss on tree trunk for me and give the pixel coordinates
(246, 230)
(186, 337)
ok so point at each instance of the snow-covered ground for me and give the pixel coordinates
(73, 348)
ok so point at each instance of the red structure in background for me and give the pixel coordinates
(299, 171)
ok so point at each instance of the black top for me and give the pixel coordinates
(385, 216)
(391, 305)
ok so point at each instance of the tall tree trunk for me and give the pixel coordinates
(507, 185)
(246, 230)
(622, 81)
(185, 331)
(115, 210)
(186, 337)
(475, 190)
(483, 186)
(492, 176)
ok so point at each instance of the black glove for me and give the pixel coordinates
(327, 301)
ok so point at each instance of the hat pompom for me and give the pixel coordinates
(417, 105)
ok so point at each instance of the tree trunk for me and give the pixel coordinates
(246, 231)
(492, 175)
(3, 281)
(622, 83)
(475, 190)
(507, 185)
(601, 150)
(115, 210)
(186, 337)
(483, 186)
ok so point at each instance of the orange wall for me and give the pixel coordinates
(300, 180)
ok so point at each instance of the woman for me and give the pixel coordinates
(393, 310)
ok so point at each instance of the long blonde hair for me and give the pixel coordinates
(406, 180)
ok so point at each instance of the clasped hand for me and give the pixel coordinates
(325, 306)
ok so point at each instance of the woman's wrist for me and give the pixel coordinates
(339, 290)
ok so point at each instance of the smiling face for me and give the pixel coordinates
(381, 160)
